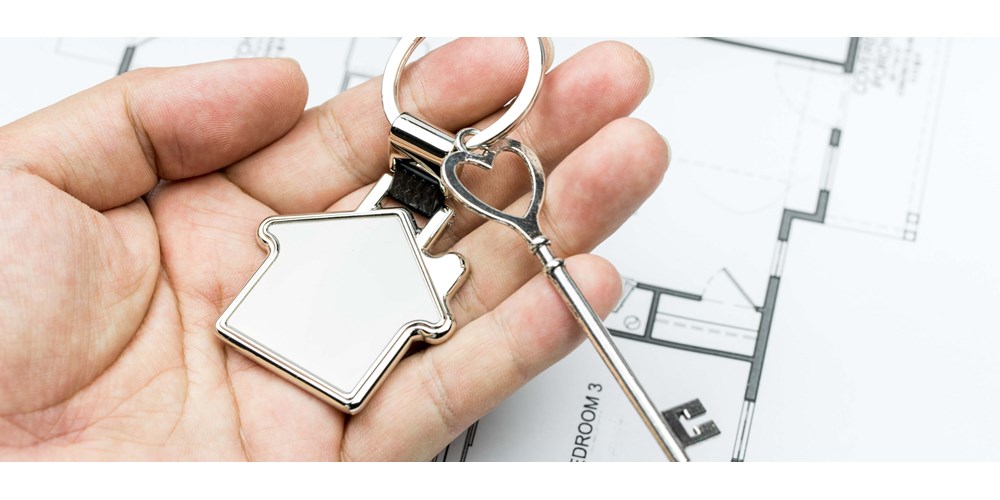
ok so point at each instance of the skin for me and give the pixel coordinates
(130, 217)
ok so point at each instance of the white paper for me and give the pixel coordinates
(861, 328)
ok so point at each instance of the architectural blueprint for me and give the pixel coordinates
(818, 268)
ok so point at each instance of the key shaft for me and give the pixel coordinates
(527, 226)
(599, 336)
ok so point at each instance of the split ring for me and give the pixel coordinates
(511, 118)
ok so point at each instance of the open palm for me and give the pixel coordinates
(129, 223)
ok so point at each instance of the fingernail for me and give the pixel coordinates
(652, 74)
(550, 51)
(670, 149)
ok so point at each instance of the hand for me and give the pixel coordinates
(130, 213)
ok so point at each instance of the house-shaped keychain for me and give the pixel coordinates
(341, 296)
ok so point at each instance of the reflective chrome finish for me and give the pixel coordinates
(417, 139)
(527, 226)
(341, 296)
(508, 121)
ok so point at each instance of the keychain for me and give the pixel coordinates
(341, 296)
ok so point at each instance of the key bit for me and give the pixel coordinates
(676, 417)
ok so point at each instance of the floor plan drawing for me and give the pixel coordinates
(816, 269)
(748, 200)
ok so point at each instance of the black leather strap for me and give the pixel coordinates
(415, 188)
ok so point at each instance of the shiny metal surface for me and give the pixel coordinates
(511, 118)
(341, 296)
(527, 226)
(419, 140)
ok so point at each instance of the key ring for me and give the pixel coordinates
(511, 118)
(527, 224)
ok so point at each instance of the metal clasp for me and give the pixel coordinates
(417, 139)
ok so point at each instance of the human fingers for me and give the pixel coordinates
(601, 83)
(591, 194)
(598, 85)
(110, 144)
(434, 395)
(341, 145)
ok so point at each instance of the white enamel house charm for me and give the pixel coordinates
(341, 296)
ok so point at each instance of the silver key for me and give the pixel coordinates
(527, 226)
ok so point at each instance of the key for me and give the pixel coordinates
(527, 226)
